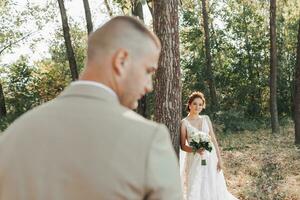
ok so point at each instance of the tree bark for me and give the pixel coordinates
(88, 17)
(67, 37)
(273, 69)
(3, 111)
(297, 93)
(210, 76)
(167, 84)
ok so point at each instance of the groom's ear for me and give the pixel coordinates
(120, 61)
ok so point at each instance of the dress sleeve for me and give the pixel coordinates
(209, 124)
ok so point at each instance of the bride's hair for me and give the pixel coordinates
(195, 95)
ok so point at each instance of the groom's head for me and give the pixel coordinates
(123, 55)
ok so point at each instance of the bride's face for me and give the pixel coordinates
(196, 106)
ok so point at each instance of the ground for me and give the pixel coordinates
(261, 166)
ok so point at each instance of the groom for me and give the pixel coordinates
(87, 143)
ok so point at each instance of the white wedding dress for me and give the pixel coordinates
(202, 182)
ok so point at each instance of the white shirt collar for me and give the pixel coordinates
(97, 84)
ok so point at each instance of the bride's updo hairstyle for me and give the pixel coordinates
(193, 96)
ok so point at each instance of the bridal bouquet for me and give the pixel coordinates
(200, 140)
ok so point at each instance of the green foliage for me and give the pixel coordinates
(192, 56)
(4, 123)
(18, 25)
(245, 44)
(235, 120)
(10, 21)
(51, 79)
(79, 42)
(240, 43)
(26, 86)
(125, 5)
(20, 88)
(239, 31)
(288, 16)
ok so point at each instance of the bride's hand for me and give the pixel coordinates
(219, 166)
(201, 151)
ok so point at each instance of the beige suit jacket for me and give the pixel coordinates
(84, 145)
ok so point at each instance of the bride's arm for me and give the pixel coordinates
(183, 139)
(213, 138)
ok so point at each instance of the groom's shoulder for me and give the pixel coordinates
(138, 121)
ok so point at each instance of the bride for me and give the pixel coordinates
(200, 182)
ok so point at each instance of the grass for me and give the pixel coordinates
(261, 166)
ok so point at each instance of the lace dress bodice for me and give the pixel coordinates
(191, 130)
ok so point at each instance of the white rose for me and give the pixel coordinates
(196, 137)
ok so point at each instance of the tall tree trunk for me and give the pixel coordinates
(167, 84)
(108, 8)
(2, 103)
(273, 69)
(297, 93)
(211, 82)
(137, 10)
(67, 37)
(88, 17)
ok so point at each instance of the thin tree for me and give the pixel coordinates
(108, 8)
(210, 76)
(3, 111)
(297, 93)
(68, 43)
(273, 69)
(88, 17)
(167, 84)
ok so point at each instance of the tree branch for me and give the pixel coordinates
(15, 42)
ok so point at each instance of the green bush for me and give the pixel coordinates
(235, 120)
